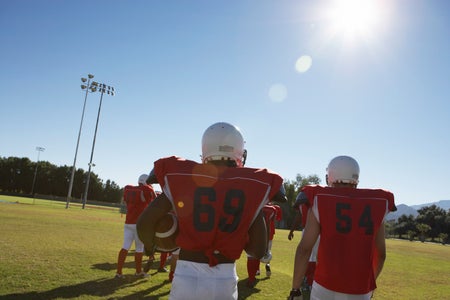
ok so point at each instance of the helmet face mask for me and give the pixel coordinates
(223, 142)
(343, 169)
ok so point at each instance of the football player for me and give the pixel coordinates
(136, 198)
(218, 204)
(272, 213)
(301, 206)
(350, 222)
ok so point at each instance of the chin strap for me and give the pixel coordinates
(244, 157)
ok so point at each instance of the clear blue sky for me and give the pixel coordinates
(304, 80)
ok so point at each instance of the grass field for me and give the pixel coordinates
(49, 252)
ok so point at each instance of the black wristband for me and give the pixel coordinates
(149, 251)
(296, 292)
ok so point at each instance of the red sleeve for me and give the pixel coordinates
(279, 212)
(391, 201)
(308, 194)
(126, 199)
(149, 193)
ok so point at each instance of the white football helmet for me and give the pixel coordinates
(143, 179)
(223, 141)
(343, 169)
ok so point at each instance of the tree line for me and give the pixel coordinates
(18, 174)
(431, 223)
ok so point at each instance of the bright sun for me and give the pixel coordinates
(355, 17)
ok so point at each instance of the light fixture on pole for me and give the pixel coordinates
(89, 87)
(39, 150)
(102, 88)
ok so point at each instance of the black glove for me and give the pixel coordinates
(295, 294)
(290, 235)
(150, 251)
(151, 179)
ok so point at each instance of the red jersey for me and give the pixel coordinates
(215, 205)
(272, 213)
(302, 205)
(350, 219)
(137, 198)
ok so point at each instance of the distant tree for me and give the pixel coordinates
(16, 174)
(404, 225)
(79, 181)
(289, 188)
(292, 189)
(433, 216)
(112, 192)
(45, 178)
(411, 234)
(60, 180)
(423, 229)
(447, 223)
(389, 227)
(95, 189)
(444, 238)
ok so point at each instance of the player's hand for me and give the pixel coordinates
(295, 295)
(149, 251)
(291, 235)
(266, 258)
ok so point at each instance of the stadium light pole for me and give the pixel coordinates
(89, 87)
(103, 88)
(39, 150)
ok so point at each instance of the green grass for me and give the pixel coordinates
(49, 252)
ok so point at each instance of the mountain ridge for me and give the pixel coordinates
(403, 209)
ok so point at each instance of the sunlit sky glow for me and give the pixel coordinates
(356, 17)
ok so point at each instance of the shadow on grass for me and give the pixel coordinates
(245, 292)
(98, 288)
(104, 288)
(107, 287)
(108, 267)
